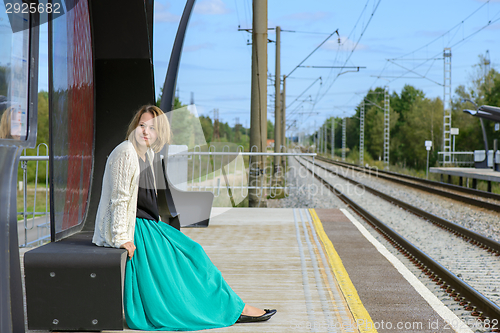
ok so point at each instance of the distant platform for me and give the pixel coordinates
(483, 174)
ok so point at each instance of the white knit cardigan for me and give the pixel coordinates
(116, 213)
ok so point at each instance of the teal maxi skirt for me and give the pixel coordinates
(171, 284)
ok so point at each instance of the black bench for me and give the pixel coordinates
(75, 285)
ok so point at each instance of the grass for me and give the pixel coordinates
(30, 194)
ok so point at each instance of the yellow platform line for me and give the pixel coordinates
(361, 316)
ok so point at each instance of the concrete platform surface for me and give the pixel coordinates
(483, 174)
(271, 260)
(319, 269)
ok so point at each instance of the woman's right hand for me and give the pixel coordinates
(130, 247)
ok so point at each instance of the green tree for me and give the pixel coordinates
(207, 126)
(403, 103)
(4, 72)
(270, 130)
(423, 122)
(492, 95)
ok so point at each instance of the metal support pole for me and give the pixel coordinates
(495, 149)
(332, 139)
(326, 138)
(453, 155)
(386, 127)
(427, 169)
(344, 137)
(320, 140)
(283, 112)
(258, 107)
(447, 107)
(277, 102)
(362, 134)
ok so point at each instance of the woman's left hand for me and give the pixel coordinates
(130, 247)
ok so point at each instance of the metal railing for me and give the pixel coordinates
(36, 223)
(458, 158)
(226, 173)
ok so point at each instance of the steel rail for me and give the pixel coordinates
(452, 283)
(480, 240)
(454, 196)
(479, 193)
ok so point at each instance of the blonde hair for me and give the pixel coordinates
(161, 125)
(5, 124)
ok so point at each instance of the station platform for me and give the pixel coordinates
(322, 271)
(482, 174)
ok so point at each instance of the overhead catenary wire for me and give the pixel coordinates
(444, 34)
(450, 46)
(439, 53)
(295, 100)
(353, 49)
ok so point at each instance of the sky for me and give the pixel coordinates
(399, 42)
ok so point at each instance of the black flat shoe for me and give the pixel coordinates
(253, 319)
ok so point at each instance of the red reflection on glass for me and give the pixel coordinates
(80, 114)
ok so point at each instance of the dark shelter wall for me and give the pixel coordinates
(102, 94)
(124, 77)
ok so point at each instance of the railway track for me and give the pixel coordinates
(469, 250)
(482, 199)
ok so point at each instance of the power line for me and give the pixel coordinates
(434, 57)
(327, 38)
(289, 105)
(444, 34)
(453, 45)
(354, 48)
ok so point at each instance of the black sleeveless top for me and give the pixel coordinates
(147, 205)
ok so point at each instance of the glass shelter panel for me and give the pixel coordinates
(72, 116)
(14, 75)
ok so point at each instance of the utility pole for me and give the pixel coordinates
(326, 137)
(447, 107)
(362, 134)
(237, 127)
(315, 138)
(277, 102)
(333, 137)
(320, 139)
(258, 107)
(386, 127)
(344, 138)
(216, 134)
(283, 113)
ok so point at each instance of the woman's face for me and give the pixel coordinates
(145, 133)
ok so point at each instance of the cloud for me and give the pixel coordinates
(196, 47)
(493, 26)
(428, 33)
(308, 16)
(345, 45)
(163, 15)
(211, 7)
